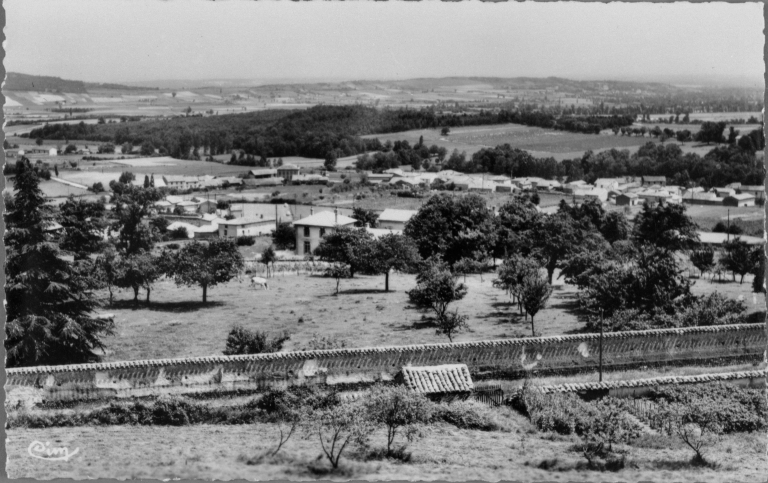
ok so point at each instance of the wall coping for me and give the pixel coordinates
(695, 379)
(364, 351)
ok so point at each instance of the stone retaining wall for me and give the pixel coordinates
(497, 358)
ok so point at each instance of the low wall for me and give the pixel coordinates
(485, 359)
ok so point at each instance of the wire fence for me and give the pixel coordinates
(491, 395)
(649, 413)
(283, 268)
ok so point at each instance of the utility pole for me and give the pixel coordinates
(600, 366)
(728, 231)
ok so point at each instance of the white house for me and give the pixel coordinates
(182, 182)
(311, 230)
(251, 226)
(53, 152)
(395, 219)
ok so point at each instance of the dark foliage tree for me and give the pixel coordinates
(137, 271)
(352, 247)
(534, 294)
(84, 226)
(284, 236)
(703, 259)
(241, 341)
(553, 239)
(393, 252)
(453, 228)
(666, 226)
(49, 307)
(436, 287)
(365, 217)
(738, 258)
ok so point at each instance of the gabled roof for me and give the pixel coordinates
(325, 219)
(438, 379)
(396, 215)
(287, 167)
(174, 199)
(742, 196)
(261, 172)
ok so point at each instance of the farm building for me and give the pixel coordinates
(758, 191)
(287, 171)
(311, 230)
(395, 219)
(188, 206)
(261, 173)
(628, 199)
(743, 199)
(444, 383)
(251, 226)
(207, 206)
(406, 181)
(595, 194)
(378, 178)
(182, 182)
(702, 198)
(658, 196)
(724, 192)
(256, 182)
(53, 152)
(654, 181)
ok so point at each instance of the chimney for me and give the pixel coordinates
(311, 211)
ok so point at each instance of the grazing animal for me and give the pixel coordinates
(261, 282)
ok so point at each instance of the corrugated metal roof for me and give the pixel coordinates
(438, 379)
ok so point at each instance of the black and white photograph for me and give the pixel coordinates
(384, 240)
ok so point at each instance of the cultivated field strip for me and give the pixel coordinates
(493, 358)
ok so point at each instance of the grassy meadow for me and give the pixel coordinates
(518, 452)
(178, 324)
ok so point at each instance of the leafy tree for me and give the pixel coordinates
(268, 256)
(339, 426)
(338, 271)
(515, 217)
(205, 264)
(696, 424)
(615, 227)
(365, 217)
(711, 132)
(703, 259)
(137, 271)
(56, 170)
(534, 293)
(445, 131)
(71, 148)
(160, 224)
(132, 204)
(666, 226)
(108, 269)
(84, 224)
(436, 287)
(48, 307)
(453, 228)
(352, 247)
(392, 252)
(467, 265)
(284, 236)
(738, 258)
(512, 274)
(553, 239)
(146, 181)
(39, 141)
(398, 409)
(330, 160)
(147, 148)
(451, 323)
(126, 177)
(179, 233)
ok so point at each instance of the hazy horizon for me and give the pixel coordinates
(146, 41)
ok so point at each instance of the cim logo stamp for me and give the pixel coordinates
(51, 453)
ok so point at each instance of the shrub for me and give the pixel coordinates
(468, 415)
(245, 241)
(324, 343)
(562, 413)
(733, 408)
(172, 246)
(179, 233)
(243, 341)
(399, 409)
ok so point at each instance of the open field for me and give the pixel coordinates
(444, 453)
(177, 324)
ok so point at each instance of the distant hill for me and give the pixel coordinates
(26, 82)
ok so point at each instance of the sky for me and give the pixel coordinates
(145, 40)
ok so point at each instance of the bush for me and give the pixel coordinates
(324, 343)
(243, 341)
(562, 413)
(172, 246)
(733, 408)
(468, 415)
(245, 241)
(179, 233)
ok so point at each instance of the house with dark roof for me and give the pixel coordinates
(311, 230)
(445, 382)
(654, 181)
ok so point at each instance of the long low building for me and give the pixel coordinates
(248, 226)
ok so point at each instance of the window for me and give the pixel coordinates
(307, 248)
(322, 232)
(306, 231)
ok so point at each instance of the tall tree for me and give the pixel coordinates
(83, 222)
(667, 227)
(534, 293)
(353, 247)
(393, 252)
(436, 287)
(453, 228)
(284, 236)
(365, 217)
(137, 271)
(205, 264)
(48, 311)
(553, 239)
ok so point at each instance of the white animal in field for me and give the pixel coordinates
(261, 282)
